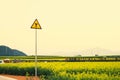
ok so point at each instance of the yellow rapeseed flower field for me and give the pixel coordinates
(66, 70)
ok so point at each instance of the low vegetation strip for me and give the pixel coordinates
(62, 59)
(66, 70)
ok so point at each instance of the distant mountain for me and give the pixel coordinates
(6, 51)
(98, 52)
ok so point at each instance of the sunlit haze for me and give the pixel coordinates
(69, 27)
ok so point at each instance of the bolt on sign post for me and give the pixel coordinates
(36, 26)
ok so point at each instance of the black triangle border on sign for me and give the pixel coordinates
(38, 24)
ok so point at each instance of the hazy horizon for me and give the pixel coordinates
(86, 52)
(68, 26)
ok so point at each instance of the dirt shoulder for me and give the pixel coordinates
(19, 77)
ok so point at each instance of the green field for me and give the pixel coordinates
(115, 58)
(66, 70)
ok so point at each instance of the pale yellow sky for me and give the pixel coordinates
(68, 26)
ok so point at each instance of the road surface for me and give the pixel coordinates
(6, 78)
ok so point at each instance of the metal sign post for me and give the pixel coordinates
(36, 26)
(36, 53)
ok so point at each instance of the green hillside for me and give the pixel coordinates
(6, 51)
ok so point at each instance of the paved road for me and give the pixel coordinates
(6, 78)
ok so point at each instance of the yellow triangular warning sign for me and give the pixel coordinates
(36, 25)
